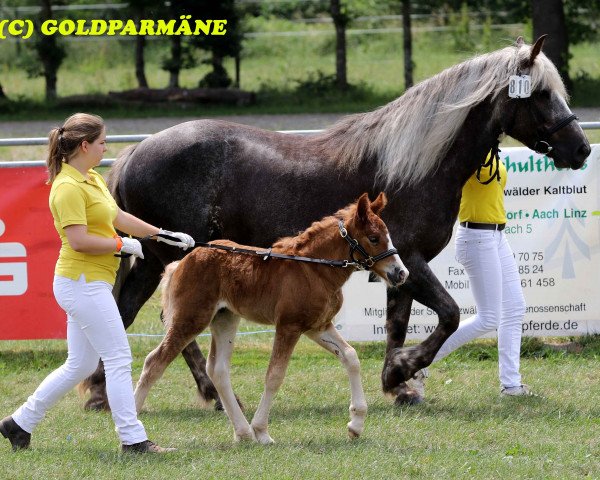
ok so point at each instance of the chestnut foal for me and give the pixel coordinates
(214, 287)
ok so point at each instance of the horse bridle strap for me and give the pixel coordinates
(368, 261)
(543, 146)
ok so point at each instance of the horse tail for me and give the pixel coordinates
(114, 175)
(166, 300)
(116, 171)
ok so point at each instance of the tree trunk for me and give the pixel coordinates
(45, 49)
(407, 34)
(140, 44)
(549, 17)
(237, 70)
(176, 61)
(340, 20)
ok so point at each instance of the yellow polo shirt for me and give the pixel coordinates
(484, 203)
(77, 201)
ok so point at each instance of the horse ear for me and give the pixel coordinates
(520, 41)
(537, 48)
(379, 204)
(362, 208)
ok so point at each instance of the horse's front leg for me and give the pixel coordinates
(333, 342)
(402, 363)
(398, 315)
(283, 346)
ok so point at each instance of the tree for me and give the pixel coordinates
(548, 17)
(407, 40)
(50, 53)
(340, 19)
(219, 46)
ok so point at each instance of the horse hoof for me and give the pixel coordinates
(408, 397)
(399, 366)
(219, 405)
(96, 405)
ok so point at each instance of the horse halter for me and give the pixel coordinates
(368, 261)
(543, 146)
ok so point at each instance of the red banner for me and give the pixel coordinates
(29, 247)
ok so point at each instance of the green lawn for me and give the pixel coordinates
(465, 430)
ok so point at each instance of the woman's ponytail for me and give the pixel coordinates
(55, 154)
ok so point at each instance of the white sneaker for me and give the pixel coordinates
(417, 383)
(518, 391)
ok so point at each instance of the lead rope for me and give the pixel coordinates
(493, 163)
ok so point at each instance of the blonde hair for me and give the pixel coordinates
(63, 142)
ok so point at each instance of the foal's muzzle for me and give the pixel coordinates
(397, 276)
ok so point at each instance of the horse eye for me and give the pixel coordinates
(374, 239)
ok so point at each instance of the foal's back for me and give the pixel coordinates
(271, 291)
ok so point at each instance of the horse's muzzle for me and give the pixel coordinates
(397, 276)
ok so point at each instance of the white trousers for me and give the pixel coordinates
(94, 331)
(496, 286)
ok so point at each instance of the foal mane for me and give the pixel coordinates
(410, 136)
(316, 232)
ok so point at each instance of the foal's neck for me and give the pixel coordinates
(328, 244)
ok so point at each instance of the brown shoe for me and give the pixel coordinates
(18, 437)
(145, 447)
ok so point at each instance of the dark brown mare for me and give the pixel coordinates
(216, 287)
(215, 179)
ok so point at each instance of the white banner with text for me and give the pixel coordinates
(554, 230)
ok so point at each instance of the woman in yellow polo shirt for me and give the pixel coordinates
(85, 216)
(482, 248)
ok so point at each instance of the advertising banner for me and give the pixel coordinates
(29, 248)
(554, 230)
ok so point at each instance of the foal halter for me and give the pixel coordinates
(368, 261)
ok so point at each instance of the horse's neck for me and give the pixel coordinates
(476, 137)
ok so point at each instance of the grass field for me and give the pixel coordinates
(464, 430)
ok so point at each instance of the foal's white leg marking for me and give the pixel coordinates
(333, 342)
(223, 328)
(283, 346)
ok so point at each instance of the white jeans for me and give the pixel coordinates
(490, 264)
(94, 331)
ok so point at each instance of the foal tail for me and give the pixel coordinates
(165, 291)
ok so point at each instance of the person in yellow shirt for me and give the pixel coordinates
(86, 218)
(482, 248)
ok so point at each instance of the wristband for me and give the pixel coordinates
(119, 242)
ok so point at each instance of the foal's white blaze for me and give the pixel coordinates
(397, 262)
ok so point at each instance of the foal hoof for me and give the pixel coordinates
(244, 437)
(353, 434)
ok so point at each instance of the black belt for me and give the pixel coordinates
(483, 226)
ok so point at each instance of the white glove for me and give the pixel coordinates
(133, 246)
(185, 241)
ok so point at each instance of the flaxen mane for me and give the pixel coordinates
(411, 135)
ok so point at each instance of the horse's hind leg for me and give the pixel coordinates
(179, 334)
(138, 287)
(333, 342)
(283, 346)
(224, 328)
